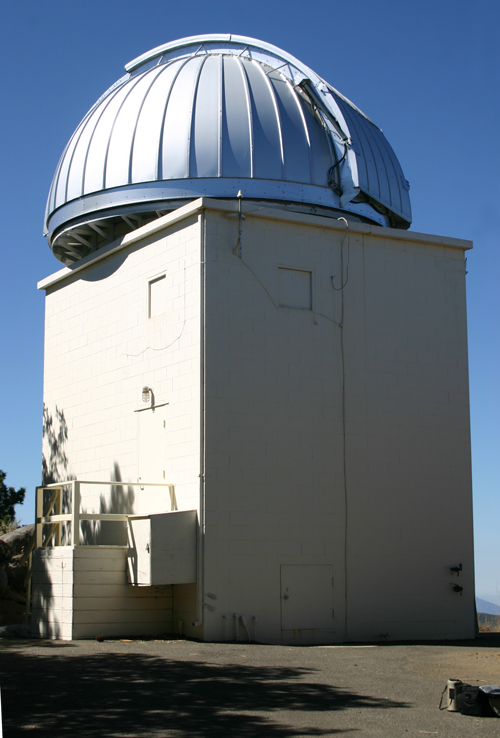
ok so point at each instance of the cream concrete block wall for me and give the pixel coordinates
(52, 593)
(274, 487)
(101, 349)
(408, 442)
(83, 593)
(275, 439)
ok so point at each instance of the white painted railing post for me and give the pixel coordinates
(57, 541)
(75, 513)
(39, 514)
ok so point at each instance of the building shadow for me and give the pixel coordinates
(135, 694)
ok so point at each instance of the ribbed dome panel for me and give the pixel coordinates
(148, 134)
(206, 132)
(266, 129)
(208, 116)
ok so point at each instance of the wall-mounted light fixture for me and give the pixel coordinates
(148, 395)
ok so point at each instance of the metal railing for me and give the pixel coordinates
(44, 518)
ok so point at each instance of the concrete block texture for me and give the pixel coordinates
(333, 433)
(101, 348)
(95, 597)
(333, 429)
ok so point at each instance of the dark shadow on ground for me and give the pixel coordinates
(25, 644)
(133, 694)
(487, 640)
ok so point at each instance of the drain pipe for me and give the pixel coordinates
(201, 526)
(244, 624)
(224, 617)
(236, 621)
(254, 618)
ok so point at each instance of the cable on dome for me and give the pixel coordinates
(237, 248)
(344, 429)
(348, 235)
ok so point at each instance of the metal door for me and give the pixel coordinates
(152, 456)
(140, 533)
(306, 598)
(151, 435)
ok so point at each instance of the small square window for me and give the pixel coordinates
(157, 297)
(295, 288)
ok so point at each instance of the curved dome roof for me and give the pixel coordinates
(208, 116)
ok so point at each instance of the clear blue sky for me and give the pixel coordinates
(427, 72)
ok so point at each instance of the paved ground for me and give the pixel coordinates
(186, 689)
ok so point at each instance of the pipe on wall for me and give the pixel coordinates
(201, 527)
(244, 624)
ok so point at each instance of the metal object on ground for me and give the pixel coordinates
(453, 690)
(493, 694)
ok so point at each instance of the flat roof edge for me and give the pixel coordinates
(334, 223)
(143, 232)
(250, 210)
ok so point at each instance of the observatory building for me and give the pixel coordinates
(256, 409)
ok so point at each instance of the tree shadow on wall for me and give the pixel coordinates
(131, 694)
(55, 464)
(120, 500)
(55, 437)
(55, 468)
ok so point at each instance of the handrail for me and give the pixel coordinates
(56, 499)
(75, 516)
(111, 483)
(43, 518)
(28, 551)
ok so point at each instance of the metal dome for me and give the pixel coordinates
(208, 116)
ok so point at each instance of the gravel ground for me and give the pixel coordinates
(189, 689)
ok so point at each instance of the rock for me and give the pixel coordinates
(16, 574)
(12, 578)
(15, 631)
(18, 539)
(3, 582)
(5, 551)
